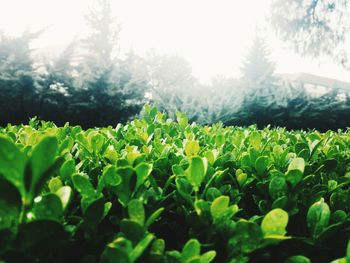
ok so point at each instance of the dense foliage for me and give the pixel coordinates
(158, 190)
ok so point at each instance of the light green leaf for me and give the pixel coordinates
(192, 148)
(275, 223)
(196, 171)
(191, 249)
(255, 139)
(297, 164)
(219, 206)
(55, 184)
(141, 247)
(65, 194)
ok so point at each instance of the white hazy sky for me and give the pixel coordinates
(213, 35)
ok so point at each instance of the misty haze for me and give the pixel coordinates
(96, 63)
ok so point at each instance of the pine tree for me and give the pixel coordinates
(259, 103)
(18, 79)
(258, 66)
(104, 98)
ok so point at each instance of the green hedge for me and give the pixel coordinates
(158, 190)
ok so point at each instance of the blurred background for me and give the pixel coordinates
(96, 63)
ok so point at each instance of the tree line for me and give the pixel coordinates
(91, 84)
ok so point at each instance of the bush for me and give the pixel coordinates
(157, 190)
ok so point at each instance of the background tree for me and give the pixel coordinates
(260, 86)
(57, 86)
(18, 79)
(172, 86)
(104, 89)
(314, 27)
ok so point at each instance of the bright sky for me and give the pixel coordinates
(213, 35)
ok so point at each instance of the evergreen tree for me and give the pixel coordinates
(57, 86)
(259, 103)
(104, 94)
(18, 79)
(258, 66)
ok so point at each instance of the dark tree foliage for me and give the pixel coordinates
(18, 79)
(87, 84)
(269, 100)
(56, 86)
(261, 94)
(105, 95)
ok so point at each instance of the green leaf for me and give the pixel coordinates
(318, 217)
(208, 256)
(153, 217)
(347, 256)
(117, 251)
(248, 238)
(275, 223)
(280, 202)
(48, 207)
(277, 187)
(177, 170)
(158, 247)
(83, 186)
(294, 177)
(65, 195)
(127, 186)
(12, 163)
(67, 169)
(241, 178)
(143, 170)
(255, 139)
(261, 165)
(38, 185)
(192, 148)
(136, 211)
(297, 164)
(182, 119)
(141, 247)
(295, 171)
(297, 259)
(10, 205)
(96, 140)
(191, 249)
(132, 230)
(219, 206)
(109, 178)
(196, 171)
(219, 140)
(55, 184)
(42, 158)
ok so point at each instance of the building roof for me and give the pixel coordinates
(307, 78)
